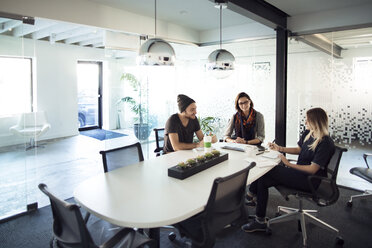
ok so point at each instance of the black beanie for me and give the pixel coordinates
(183, 102)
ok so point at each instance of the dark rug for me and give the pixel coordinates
(101, 134)
(34, 230)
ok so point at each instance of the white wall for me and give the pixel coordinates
(56, 84)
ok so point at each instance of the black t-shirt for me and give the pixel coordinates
(185, 134)
(321, 156)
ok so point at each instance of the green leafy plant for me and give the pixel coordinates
(139, 109)
(143, 120)
(208, 124)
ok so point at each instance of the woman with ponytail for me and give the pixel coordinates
(315, 149)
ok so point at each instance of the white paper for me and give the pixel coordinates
(263, 162)
(271, 154)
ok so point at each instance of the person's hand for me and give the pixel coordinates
(214, 139)
(240, 140)
(284, 159)
(273, 146)
(201, 144)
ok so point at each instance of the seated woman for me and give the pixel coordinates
(247, 125)
(315, 149)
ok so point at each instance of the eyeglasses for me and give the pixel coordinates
(243, 103)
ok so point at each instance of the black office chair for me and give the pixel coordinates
(159, 138)
(366, 174)
(70, 230)
(326, 194)
(224, 207)
(122, 156)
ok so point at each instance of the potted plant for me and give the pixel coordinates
(208, 125)
(142, 127)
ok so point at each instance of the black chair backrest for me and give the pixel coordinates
(335, 162)
(122, 156)
(327, 193)
(68, 225)
(159, 137)
(226, 201)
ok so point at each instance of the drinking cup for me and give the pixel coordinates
(207, 143)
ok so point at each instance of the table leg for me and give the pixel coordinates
(154, 233)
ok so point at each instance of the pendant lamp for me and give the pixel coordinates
(221, 61)
(156, 51)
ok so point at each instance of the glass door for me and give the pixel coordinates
(89, 76)
(17, 167)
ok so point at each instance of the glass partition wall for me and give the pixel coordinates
(342, 87)
(131, 95)
(18, 161)
(254, 74)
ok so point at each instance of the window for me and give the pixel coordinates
(15, 85)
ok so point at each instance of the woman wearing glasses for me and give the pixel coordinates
(247, 125)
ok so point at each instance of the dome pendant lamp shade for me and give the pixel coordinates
(221, 60)
(156, 51)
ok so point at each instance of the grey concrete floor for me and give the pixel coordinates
(61, 164)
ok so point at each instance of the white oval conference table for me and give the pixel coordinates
(143, 196)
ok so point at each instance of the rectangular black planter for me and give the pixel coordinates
(179, 173)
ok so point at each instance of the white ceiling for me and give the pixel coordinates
(198, 15)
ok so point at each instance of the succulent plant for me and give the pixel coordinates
(208, 155)
(216, 153)
(200, 158)
(191, 161)
(182, 165)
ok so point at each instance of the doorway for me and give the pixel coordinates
(89, 78)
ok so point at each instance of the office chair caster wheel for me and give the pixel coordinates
(268, 231)
(53, 243)
(339, 240)
(349, 204)
(172, 236)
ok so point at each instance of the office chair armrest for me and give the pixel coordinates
(324, 190)
(365, 155)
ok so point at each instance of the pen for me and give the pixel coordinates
(271, 144)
